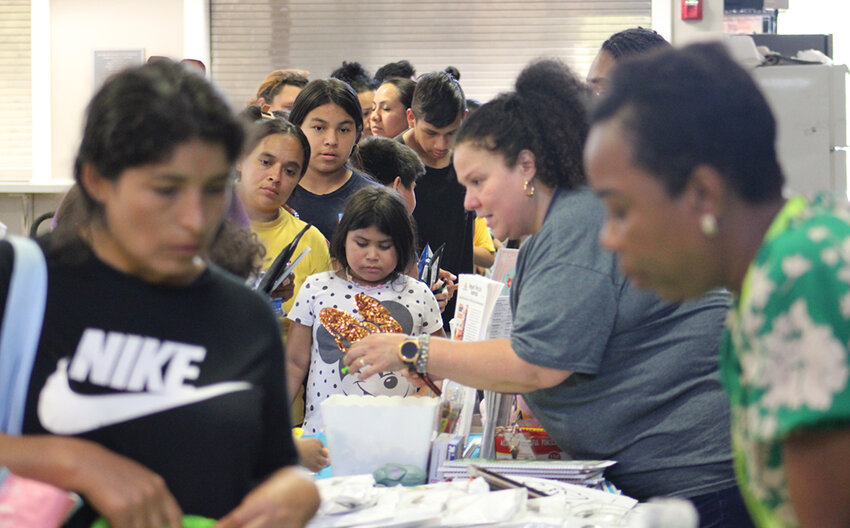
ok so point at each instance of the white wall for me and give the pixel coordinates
(709, 28)
(667, 20)
(66, 34)
(77, 29)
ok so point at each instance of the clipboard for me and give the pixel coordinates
(279, 268)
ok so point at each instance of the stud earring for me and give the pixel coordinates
(708, 224)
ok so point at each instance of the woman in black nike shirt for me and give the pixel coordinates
(163, 374)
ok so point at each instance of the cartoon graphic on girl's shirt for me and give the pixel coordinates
(347, 329)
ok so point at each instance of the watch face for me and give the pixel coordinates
(409, 350)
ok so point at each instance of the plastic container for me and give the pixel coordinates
(366, 432)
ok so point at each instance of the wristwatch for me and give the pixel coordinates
(408, 352)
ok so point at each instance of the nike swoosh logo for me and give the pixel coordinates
(65, 412)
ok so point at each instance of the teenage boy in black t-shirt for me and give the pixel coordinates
(435, 114)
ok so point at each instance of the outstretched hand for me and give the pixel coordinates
(128, 494)
(286, 499)
(375, 353)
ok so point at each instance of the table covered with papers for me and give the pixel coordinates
(357, 502)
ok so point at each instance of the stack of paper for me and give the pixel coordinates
(581, 472)
(476, 299)
(445, 447)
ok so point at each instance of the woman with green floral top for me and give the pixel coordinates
(682, 151)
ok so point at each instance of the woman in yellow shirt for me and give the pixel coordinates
(275, 159)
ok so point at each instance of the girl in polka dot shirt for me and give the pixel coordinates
(373, 246)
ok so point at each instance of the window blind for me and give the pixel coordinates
(488, 41)
(15, 91)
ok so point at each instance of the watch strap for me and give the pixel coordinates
(422, 360)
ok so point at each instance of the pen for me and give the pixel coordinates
(499, 481)
(431, 385)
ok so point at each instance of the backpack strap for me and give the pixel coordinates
(21, 330)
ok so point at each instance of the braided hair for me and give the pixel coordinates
(633, 41)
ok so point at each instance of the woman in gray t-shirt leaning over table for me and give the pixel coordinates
(610, 371)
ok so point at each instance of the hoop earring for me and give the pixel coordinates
(708, 224)
(528, 188)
